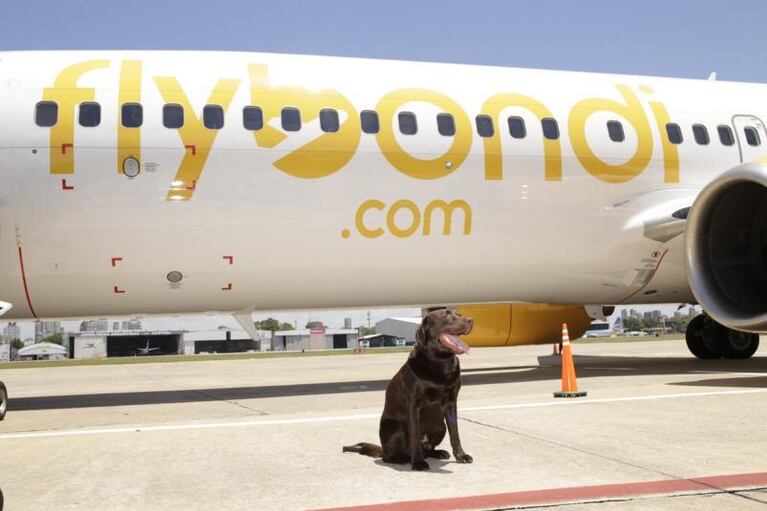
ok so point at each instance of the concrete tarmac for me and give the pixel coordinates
(658, 430)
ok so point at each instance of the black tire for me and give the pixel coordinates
(740, 344)
(3, 401)
(703, 337)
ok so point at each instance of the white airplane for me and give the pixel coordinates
(187, 182)
(145, 350)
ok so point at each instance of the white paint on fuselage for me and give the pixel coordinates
(531, 239)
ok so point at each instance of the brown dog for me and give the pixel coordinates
(421, 398)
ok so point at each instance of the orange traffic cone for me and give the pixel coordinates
(569, 384)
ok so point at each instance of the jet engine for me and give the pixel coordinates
(726, 248)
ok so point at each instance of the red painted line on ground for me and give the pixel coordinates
(24, 281)
(572, 494)
(116, 260)
(65, 186)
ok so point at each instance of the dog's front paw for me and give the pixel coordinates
(420, 465)
(438, 454)
(463, 458)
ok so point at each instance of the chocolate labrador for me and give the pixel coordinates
(421, 398)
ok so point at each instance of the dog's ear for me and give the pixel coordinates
(420, 334)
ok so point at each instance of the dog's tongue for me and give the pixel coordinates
(453, 343)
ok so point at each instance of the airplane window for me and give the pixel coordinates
(517, 127)
(252, 118)
(701, 134)
(213, 117)
(752, 136)
(485, 126)
(407, 123)
(369, 121)
(725, 135)
(291, 119)
(674, 133)
(446, 125)
(329, 120)
(90, 114)
(132, 115)
(46, 114)
(615, 130)
(550, 128)
(173, 116)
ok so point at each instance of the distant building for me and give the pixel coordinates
(656, 314)
(634, 313)
(94, 325)
(404, 328)
(12, 331)
(132, 324)
(45, 329)
(316, 338)
(624, 314)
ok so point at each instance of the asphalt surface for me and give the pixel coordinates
(658, 430)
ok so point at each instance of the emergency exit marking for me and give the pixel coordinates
(227, 288)
(116, 260)
(64, 148)
(230, 259)
(65, 186)
(193, 148)
(119, 291)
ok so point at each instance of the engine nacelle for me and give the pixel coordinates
(726, 248)
(523, 323)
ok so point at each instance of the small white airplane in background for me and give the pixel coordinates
(145, 350)
(139, 182)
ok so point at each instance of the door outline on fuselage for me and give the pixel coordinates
(754, 122)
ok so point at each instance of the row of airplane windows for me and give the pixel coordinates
(132, 116)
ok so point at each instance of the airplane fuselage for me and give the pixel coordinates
(229, 213)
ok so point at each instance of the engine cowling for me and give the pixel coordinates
(523, 323)
(726, 248)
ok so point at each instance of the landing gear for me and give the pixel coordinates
(708, 339)
(3, 401)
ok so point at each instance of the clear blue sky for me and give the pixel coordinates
(670, 37)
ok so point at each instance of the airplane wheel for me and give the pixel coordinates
(703, 337)
(3, 401)
(740, 344)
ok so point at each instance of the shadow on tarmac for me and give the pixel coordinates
(588, 366)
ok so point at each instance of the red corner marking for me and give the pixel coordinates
(230, 259)
(119, 291)
(193, 148)
(227, 288)
(194, 185)
(65, 146)
(65, 186)
(116, 260)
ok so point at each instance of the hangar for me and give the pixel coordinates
(124, 343)
(319, 338)
(399, 327)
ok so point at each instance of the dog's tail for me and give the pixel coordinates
(365, 449)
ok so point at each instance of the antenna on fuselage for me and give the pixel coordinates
(712, 76)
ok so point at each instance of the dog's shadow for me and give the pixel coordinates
(435, 466)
